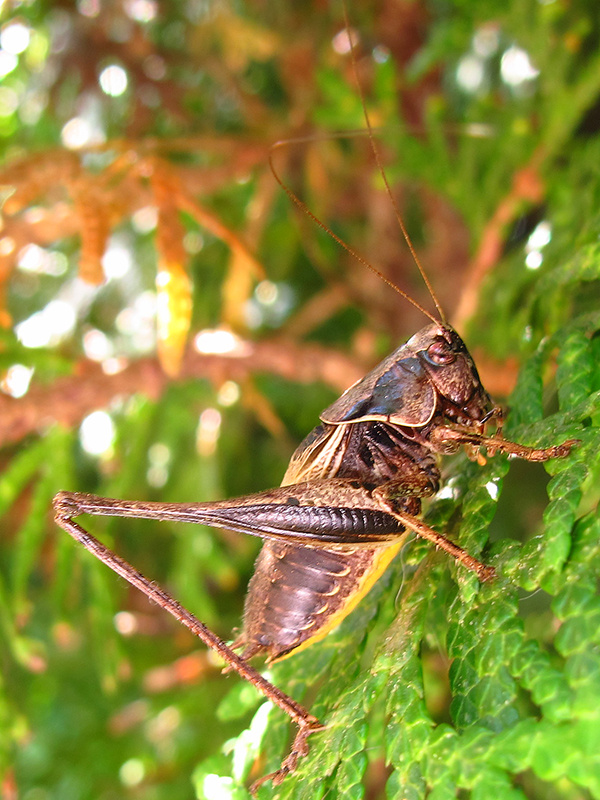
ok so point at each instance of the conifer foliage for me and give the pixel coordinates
(171, 327)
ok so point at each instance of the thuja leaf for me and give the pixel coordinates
(575, 368)
(31, 535)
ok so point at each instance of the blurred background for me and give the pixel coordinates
(172, 325)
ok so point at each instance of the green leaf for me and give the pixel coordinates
(434, 686)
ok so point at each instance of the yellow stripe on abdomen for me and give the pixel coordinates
(382, 558)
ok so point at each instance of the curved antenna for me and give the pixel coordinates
(407, 238)
(302, 205)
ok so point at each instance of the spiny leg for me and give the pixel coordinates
(497, 444)
(66, 506)
(483, 571)
(458, 435)
(388, 498)
(298, 750)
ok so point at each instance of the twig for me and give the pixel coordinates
(69, 399)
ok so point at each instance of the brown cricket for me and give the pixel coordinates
(352, 489)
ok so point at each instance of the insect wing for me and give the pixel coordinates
(398, 390)
(318, 456)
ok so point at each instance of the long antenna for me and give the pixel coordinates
(295, 199)
(407, 238)
(302, 205)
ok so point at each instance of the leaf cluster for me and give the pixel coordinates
(434, 686)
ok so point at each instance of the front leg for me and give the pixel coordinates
(446, 437)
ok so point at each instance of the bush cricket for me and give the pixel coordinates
(353, 488)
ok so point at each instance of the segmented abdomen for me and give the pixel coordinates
(304, 592)
(299, 593)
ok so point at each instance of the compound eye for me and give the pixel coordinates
(440, 352)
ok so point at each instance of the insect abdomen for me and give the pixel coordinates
(306, 592)
(298, 594)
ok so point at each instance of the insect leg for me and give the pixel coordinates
(497, 444)
(66, 506)
(320, 513)
(390, 496)
(298, 750)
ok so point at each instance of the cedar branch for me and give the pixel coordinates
(69, 399)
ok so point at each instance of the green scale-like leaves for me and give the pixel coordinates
(522, 706)
(435, 686)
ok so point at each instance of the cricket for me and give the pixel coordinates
(352, 491)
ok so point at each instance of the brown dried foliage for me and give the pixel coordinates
(56, 194)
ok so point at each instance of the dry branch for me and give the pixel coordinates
(71, 398)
